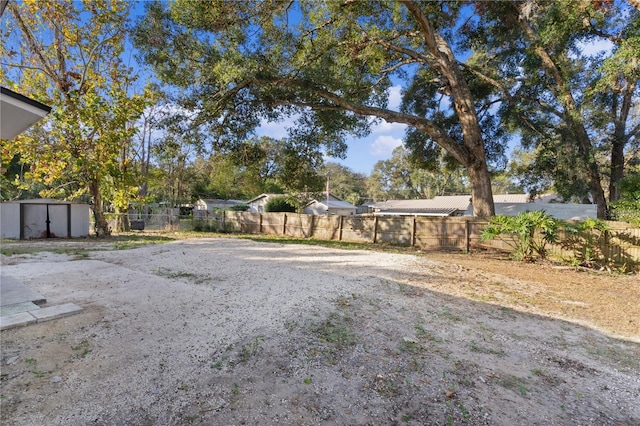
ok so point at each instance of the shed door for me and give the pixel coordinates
(35, 220)
(58, 215)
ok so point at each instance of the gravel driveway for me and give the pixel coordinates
(229, 331)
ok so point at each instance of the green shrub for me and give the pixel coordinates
(198, 225)
(279, 204)
(239, 208)
(627, 208)
(527, 233)
(585, 240)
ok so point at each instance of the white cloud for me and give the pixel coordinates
(596, 47)
(384, 145)
(277, 129)
(395, 97)
(385, 128)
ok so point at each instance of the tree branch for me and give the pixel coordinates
(431, 128)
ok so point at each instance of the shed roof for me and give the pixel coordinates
(43, 201)
(18, 113)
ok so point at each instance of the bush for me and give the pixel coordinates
(198, 225)
(627, 208)
(239, 208)
(279, 204)
(584, 240)
(527, 233)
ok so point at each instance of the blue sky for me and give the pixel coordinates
(362, 154)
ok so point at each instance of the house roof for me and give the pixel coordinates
(261, 196)
(220, 202)
(18, 113)
(448, 202)
(420, 212)
(334, 203)
(441, 203)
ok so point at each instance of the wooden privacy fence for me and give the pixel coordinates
(620, 245)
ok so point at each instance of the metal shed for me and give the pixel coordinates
(43, 218)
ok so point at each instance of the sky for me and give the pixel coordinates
(364, 153)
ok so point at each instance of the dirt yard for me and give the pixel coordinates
(230, 331)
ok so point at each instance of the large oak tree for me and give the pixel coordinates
(327, 64)
(571, 106)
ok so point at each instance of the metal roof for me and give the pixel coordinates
(334, 204)
(445, 202)
(417, 212)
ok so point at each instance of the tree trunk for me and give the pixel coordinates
(481, 193)
(101, 225)
(620, 139)
(589, 163)
(617, 169)
(122, 221)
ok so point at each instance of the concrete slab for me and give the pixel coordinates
(53, 312)
(16, 320)
(17, 308)
(13, 291)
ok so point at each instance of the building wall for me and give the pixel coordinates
(35, 220)
(258, 205)
(343, 212)
(562, 211)
(10, 220)
(315, 209)
(318, 208)
(80, 214)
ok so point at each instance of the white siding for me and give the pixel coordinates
(35, 219)
(10, 220)
(80, 214)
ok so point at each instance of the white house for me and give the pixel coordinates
(257, 204)
(332, 206)
(205, 207)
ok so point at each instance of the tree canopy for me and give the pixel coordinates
(475, 77)
(329, 65)
(571, 107)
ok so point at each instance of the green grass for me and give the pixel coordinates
(345, 245)
(116, 242)
(336, 331)
(11, 251)
(83, 347)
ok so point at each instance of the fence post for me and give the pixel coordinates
(340, 229)
(284, 225)
(312, 225)
(467, 236)
(375, 229)
(413, 232)
(260, 226)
